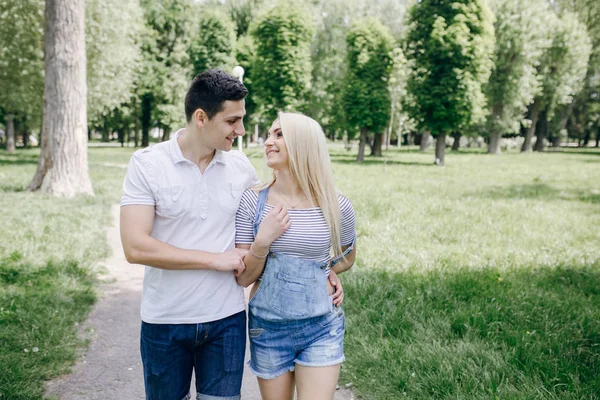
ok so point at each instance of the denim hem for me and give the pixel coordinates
(209, 397)
(268, 376)
(317, 364)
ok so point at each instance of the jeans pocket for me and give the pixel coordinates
(233, 351)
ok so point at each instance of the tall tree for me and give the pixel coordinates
(113, 28)
(282, 71)
(563, 68)
(450, 46)
(165, 69)
(214, 43)
(366, 94)
(21, 64)
(65, 105)
(522, 35)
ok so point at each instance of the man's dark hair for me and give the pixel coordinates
(209, 90)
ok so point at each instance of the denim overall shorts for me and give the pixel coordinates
(292, 319)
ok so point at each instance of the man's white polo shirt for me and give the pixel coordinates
(193, 211)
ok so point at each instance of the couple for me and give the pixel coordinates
(194, 213)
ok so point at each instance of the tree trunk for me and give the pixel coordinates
(587, 137)
(44, 162)
(361, 146)
(25, 137)
(541, 131)
(105, 138)
(377, 145)
(10, 133)
(440, 148)
(598, 136)
(136, 118)
(535, 111)
(167, 134)
(495, 139)
(456, 144)
(65, 100)
(425, 140)
(146, 111)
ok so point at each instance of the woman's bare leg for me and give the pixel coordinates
(316, 383)
(280, 388)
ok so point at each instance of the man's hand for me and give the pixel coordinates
(338, 295)
(231, 260)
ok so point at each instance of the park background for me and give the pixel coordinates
(478, 271)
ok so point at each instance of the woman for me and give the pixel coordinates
(292, 227)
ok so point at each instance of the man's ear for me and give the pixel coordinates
(199, 118)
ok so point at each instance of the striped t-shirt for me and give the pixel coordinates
(307, 237)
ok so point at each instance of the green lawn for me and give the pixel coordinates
(478, 280)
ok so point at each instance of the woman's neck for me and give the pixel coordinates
(287, 185)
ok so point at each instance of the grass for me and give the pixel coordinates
(478, 280)
(48, 250)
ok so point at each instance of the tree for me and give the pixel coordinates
(522, 36)
(282, 69)
(563, 68)
(214, 42)
(65, 172)
(165, 71)
(366, 95)
(113, 28)
(21, 64)
(450, 45)
(584, 110)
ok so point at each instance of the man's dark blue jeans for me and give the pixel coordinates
(214, 350)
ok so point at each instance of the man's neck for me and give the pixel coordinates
(194, 149)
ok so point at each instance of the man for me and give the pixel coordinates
(178, 219)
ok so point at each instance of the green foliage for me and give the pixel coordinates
(213, 42)
(401, 120)
(366, 94)
(522, 32)
(245, 51)
(22, 59)
(564, 65)
(282, 72)
(165, 71)
(113, 29)
(450, 44)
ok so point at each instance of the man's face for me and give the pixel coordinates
(220, 131)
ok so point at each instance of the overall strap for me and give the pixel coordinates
(344, 254)
(260, 207)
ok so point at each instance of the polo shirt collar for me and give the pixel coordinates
(177, 154)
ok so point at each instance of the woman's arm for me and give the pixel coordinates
(345, 263)
(273, 225)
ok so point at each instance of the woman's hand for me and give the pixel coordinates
(338, 294)
(272, 226)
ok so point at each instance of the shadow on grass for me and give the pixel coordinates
(474, 334)
(540, 191)
(351, 159)
(17, 159)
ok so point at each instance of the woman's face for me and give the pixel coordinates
(275, 148)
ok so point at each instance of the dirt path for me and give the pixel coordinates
(111, 367)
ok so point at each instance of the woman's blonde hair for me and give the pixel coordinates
(310, 165)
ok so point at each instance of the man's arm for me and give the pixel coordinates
(141, 248)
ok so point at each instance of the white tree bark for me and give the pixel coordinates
(65, 101)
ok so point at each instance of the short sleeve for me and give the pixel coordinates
(244, 218)
(348, 221)
(252, 175)
(136, 186)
